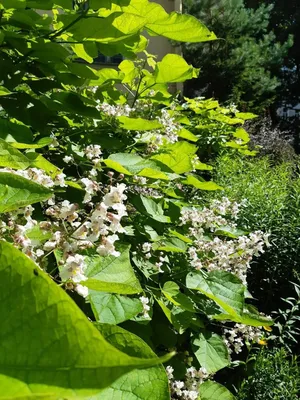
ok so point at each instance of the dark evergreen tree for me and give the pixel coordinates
(244, 65)
(285, 21)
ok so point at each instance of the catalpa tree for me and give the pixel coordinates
(103, 221)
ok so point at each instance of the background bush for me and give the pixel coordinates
(273, 196)
(275, 376)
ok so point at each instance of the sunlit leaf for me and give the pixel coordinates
(49, 337)
(112, 274)
(211, 351)
(16, 192)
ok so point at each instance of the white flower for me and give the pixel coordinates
(39, 253)
(116, 195)
(73, 268)
(68, 159)
(91, 188)
(107, 247)
(50, 245)
(82, 290)
(60, 180)
(93, 151)
(145, 301)
(170, 371)
(68, 211)
(146, 247)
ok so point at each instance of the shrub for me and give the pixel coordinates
(101, 202)
(272, 140)
(273, 196)
(275, 376)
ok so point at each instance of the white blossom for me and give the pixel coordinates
(146, 308)
(68, 159)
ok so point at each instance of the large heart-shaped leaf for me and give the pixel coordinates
(211, 351)
(177, 156)
(138, 124)
(112, 274)
(112, 308)
(48, 348)
(11, 157)
(173, 68)
(16, 192)
(210, 390)
(222, 287)
(146, 384)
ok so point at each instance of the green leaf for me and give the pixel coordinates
(12, 158)
(48, 346)
(129, 71)
(12, 131)
(202, 167)
(173, 68)
(174, 244)
(154, 209)
(116, 166)
(180, 27)
(153, 174)
(4, 91)
(222, 287)
(80, 50)
(180, 236)
(13, 3)
(38, 234)
(138, 124)
(112, 308)
(146, 384)
(211, 351)
(245, 115)
(114, 28)
(240, 133)
(112, 274)
(192, 181)
(185, 134)
(172, 292)
(38, 161)
(250, 316)
(16, 192)
(38, 145)
(134, 164)
(211, 390)
(229, 231)
(177, 156)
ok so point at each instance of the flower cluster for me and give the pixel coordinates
(68, 230)
(38, 176)
(236, 337)
(168, 133)
(158, 260)
(146, 308)
(221, 253)
(189, 388)
(117, 110)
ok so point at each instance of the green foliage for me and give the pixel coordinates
(275, 376)
(213, 390)
(287, 321)
(272, 204)
(101, 170)
(111, 274)
(71, 358)
(211, 351)
(285, 22)
(16, 192)
(244, 66)
(145, 384)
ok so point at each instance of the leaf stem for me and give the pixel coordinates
(65, 28)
